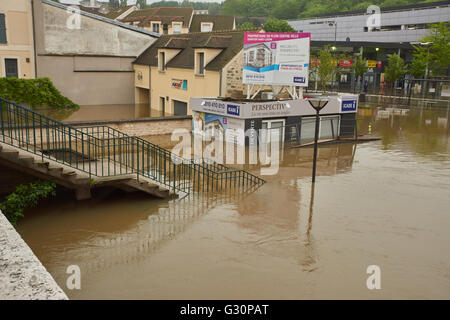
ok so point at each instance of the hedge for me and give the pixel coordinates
(36, 93)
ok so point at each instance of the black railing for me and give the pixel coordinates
(102, 151)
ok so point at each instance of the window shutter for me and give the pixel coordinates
(2, 28)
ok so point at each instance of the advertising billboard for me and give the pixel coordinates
(274, 58)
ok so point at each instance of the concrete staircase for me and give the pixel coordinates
(49, 169)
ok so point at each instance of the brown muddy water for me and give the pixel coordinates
(382, 203)
(104, 112)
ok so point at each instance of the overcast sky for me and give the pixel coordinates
(129, 1)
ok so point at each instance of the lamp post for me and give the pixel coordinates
(317, 104)
(427, 44)
(331, 23)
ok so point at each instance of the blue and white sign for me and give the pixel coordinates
(349, 105)
(299, 79)
(233, 110)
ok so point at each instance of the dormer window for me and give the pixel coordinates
(176, 28)
(155, 27)
(200, 61)
(162, 61)
(206, 27)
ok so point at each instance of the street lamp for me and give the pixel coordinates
(317, 104)
(428, 45)
(331, 23)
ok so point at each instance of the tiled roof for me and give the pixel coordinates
(220, 23)
(115, 12)
(163, 14)
(231, 43)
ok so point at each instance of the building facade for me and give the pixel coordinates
(88, 57)
(178, 67)
(402, 24)
(17, 56)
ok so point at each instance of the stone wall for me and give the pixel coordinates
(232, 78)
(22, 275)
(144, 126)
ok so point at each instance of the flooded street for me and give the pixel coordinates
(382, 203)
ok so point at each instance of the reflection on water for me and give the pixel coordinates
(104, 112)
(383, 202)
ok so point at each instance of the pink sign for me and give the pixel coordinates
(255, 37)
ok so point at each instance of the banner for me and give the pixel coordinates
(276, 58)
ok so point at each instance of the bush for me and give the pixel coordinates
(275, 25)
(24, 197)
(35, 93)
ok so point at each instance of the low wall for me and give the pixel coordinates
(22, 275)
(142, 126)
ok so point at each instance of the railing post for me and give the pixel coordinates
(137, 160)
(1, 119)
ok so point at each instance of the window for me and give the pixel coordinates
(2, 29)
(206, 27)
(162, 105)
(155, 27)
(200, 63)
(12, 71)
(273, 130)
(251, 56)
(176, 28)
(162, 61)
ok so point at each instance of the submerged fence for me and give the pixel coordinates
(102, 151)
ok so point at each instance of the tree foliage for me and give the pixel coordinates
(36, 93)
(275, 25)
(360, 66)
(395, 69)
(418, 65)
(245, 25)
(326, 68)
(291, 9)
(25, 196)
(436, 51)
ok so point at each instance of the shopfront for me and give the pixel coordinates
(286, 120)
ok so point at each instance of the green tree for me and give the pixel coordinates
(395, 70)
(359, 69)
(25, 196)
(418, 66)
(114, 3)
(141, 4)
(123, 3)
(437, 50)
(326, 68)
(287, 9)
(275, 25)
(245, 25)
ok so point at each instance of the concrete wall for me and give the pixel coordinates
(19, 33)
(90, 65)
(22, 275)
(85, 85)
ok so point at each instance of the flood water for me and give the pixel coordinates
(107, 112)
(382, 203)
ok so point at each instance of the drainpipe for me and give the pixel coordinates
(34, 38)
(220, 82)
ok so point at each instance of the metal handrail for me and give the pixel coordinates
(103, 151)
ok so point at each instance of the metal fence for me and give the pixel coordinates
(101, 151)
